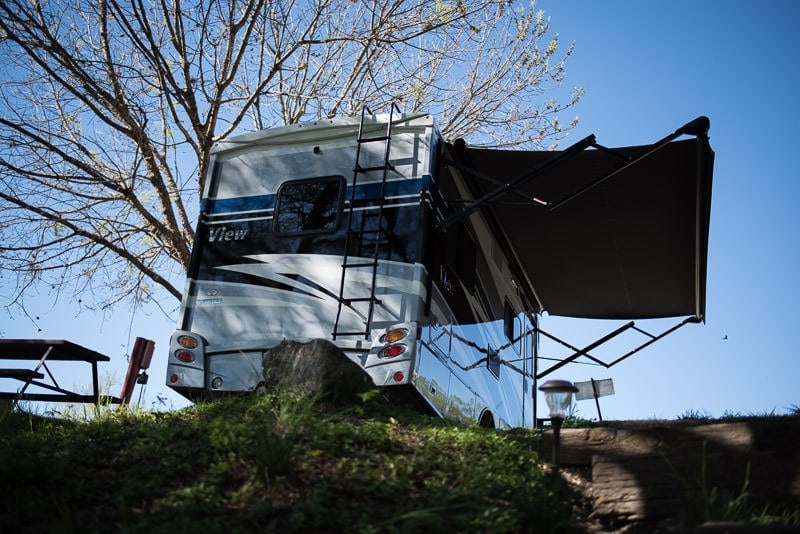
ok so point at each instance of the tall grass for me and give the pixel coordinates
(710, 503)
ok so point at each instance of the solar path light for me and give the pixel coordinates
(558, 394)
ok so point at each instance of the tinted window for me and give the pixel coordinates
(306, 206)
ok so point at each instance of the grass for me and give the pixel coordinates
(274, 463)
(708, 503)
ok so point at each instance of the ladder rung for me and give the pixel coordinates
(361, 264)
(362, 333)
(374, 139)
(386, 167)
(351, 300)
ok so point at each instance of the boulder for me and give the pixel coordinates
(315, 368)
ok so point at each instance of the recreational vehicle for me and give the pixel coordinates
(428, 262)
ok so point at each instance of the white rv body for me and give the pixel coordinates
(329, 230)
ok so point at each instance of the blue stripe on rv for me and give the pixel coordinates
(394, 188)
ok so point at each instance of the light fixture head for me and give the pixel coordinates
(558, 394)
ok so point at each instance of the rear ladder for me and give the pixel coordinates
(362, 240)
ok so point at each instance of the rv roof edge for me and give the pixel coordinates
(311, 130)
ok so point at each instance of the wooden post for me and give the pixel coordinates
(140, 359)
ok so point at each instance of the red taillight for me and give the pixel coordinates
(399, 376)
(173, 378)
(185, 356)
(392, 351)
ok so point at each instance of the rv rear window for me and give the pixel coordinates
(309, 206)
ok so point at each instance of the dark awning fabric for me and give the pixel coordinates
(632, 247)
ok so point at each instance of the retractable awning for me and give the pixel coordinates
(605, 233)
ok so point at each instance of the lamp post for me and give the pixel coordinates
(558, 394)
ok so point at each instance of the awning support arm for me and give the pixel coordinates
(510, 186)
(653, 339)
(481, 176)
(697, 127)
(585, 351)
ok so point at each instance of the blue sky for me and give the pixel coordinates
(647, 68)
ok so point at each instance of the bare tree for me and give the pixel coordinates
(108, 109)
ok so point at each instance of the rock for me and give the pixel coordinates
(316, 368)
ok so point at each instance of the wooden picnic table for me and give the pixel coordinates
(42, 352)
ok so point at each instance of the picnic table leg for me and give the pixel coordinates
(24, 387)
(95, 383)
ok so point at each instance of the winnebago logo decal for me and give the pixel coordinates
(223, 233)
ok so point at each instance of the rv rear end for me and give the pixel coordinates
(267, 262)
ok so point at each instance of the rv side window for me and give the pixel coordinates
(309, 206)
